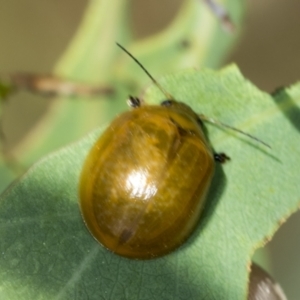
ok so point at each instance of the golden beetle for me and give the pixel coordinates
(144, 183)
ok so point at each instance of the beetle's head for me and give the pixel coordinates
(180, 108)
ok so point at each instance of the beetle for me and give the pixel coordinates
(144, 183)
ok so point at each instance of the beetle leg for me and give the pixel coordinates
(134, 102)
(221, 157)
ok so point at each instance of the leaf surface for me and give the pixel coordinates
(47, 253)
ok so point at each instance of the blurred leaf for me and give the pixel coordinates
(94, 57)
(5, 91)
(6, 174)
(89, 59)
(47, 253)
(194, 39)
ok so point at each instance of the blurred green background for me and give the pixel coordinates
(34, 33)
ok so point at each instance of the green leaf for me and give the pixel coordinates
(6, 174)
(5, 91)
(47, 253)
(194, 39)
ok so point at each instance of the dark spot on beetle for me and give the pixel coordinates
(167, 103)
(125, 236)
(184, 132)
(134, 102)
(177, 141)
(221, 157)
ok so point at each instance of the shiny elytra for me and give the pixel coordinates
(144, 183)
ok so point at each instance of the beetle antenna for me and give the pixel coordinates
(218, 123)
(202, 117)
(169, 96)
